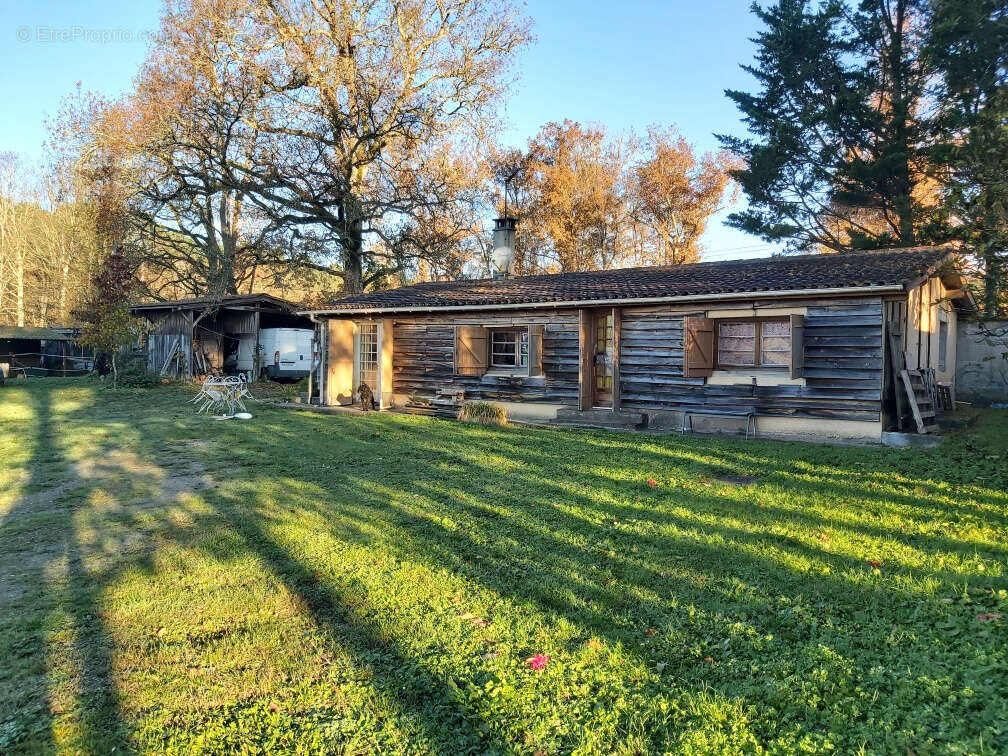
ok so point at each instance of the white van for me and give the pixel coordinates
(286, 353)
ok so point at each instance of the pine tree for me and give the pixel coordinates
(968, 45)
(836, 158)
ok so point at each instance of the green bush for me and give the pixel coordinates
(133, 372)
(483, 412)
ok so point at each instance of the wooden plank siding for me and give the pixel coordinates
(424, 353)
(843, 367)
(843, 361)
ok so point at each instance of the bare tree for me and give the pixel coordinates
(374, 111)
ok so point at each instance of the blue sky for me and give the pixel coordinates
(624, 64)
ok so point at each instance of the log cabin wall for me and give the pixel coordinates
(423, 357)
(843, 361)
(842, 364)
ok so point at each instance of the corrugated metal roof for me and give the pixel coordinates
(233, 300)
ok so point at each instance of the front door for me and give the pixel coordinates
(602, 380)
(367, 358)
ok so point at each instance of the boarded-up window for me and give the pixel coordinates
(736, 344)
(754, 343)
(698, 347)
(775, 343)
(470, 350)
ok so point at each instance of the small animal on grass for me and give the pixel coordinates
(366, 397)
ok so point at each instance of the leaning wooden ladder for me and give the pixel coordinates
(914, 389)
(921, 402)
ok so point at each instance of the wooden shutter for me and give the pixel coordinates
(797, 346)
(535, 340)
(698, 347)
(470, 350)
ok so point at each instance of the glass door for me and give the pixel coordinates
(367, 357)
(603, 362)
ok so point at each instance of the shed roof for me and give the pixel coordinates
(235, 301)
(32, 333)
(882, 270)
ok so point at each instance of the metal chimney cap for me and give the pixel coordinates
(506, 222)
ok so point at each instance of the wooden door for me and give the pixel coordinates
(603, 362)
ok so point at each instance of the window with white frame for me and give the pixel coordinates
(367, 355)
(509, 348)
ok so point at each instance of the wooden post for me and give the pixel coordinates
(255, 351)
(896, 366)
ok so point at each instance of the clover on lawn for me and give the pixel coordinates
(537, 662)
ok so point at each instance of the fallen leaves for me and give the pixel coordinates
(874, 563)
(988, 616)
(476, 621)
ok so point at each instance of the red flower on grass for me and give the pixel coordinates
(874, 563)
(539, 661)
(651, 482)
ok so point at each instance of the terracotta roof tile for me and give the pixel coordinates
(774, 274)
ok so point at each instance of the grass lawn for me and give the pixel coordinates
(361, 584)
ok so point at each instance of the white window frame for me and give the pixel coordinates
(520, 351)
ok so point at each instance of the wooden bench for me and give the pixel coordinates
(749, 413)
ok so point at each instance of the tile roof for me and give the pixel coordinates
(903, 267)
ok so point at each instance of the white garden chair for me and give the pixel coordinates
(226, 392)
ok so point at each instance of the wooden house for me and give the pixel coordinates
(795, 344)
(190, 337)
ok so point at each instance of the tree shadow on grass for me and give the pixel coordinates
(44, 677)
(577, 563)
(566, 542)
